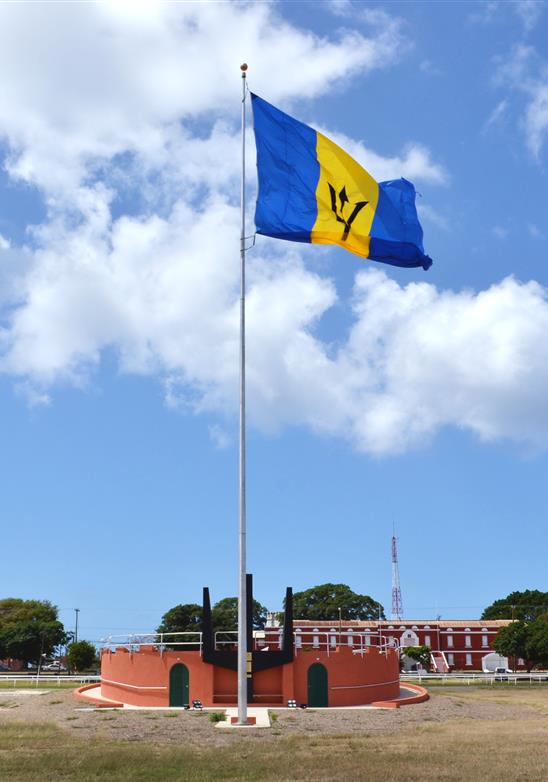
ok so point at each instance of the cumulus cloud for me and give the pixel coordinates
(415, 359)
(137, 160)
(414, 163)
(526, 72)
(529, 12)
(85, 82)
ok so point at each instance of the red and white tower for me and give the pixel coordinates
(397, 606)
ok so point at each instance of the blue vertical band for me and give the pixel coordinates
(288, 172)
(396, 234)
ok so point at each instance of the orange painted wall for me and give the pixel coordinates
(351, 678)
(142, 678)
(131, 676)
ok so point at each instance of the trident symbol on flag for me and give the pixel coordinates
(343, 200)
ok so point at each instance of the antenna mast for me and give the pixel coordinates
(397, 607)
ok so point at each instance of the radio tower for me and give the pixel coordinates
(397, 607)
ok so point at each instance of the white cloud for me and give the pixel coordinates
(499, 232)
(5, 244)
(219, 436)
(416, 359)
(428, 213)
(535, 232)
(105, 80)
(484, 12)
(341, 7)
(415, 163)
(536, 117)
(529, 12)
(159, 285)
(428, 67)
(527, 73)
(498, 113)
(473, 360)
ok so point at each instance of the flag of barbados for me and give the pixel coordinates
(311, 190)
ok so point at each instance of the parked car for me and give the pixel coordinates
(54, 666)
(3, 668)
(500, 674)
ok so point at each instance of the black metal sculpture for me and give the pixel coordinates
(260, 660)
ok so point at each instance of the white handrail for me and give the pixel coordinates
(314, 638)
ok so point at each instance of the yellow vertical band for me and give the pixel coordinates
(347, 198)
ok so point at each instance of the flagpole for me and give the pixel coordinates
(242, 597)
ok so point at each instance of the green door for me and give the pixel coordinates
(317, 685)
(178, 685)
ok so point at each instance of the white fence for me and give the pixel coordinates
(51, 680)
(476, 678)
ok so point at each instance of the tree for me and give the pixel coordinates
(29, 629)
(183, 618)
(528, 641)
(536, 645)
(419, 653)
(224, 614)
(188, 617)
(81, 655)
(324, 601)
(526, 606)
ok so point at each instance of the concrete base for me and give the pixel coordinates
(257, 717)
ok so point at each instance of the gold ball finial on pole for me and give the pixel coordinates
(243, 67)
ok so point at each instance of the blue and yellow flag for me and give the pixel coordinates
(311, 190)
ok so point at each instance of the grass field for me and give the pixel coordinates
(441, 745)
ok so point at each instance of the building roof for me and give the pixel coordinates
(420, 623)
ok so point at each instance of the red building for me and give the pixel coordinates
(456, 644)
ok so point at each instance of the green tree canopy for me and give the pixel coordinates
(187, 617)
(81, 656)
(183, 618)
(536, 645)
(225, 614)
(323, 602)
(419, 653)
(528, 641)
(526, 606)
(29, 628)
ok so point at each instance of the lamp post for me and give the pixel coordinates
(76, 611)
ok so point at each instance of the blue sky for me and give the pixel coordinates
(377, 395)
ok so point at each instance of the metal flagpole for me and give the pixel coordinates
(242, 597)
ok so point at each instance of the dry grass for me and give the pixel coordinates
(470, 737)
(43, 684)
(533, 698)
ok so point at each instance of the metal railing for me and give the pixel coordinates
(263, 640)
(162, 641)
(33, 679)
(476, 678)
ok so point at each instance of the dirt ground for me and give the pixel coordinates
(195, 729)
